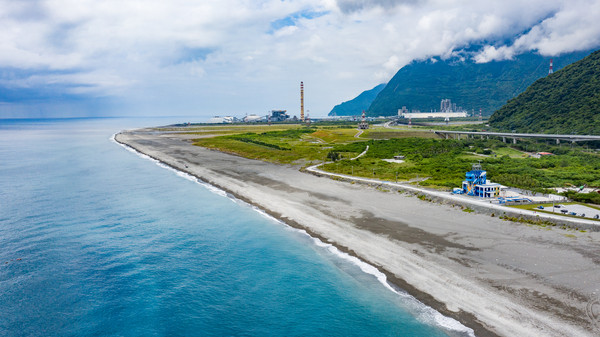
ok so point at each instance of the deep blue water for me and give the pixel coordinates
(95, 240)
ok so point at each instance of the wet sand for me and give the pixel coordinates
(497, 277)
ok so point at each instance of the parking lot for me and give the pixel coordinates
(578, 209)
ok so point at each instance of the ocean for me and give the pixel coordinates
(97, 240)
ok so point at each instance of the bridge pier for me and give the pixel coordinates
(507, 137)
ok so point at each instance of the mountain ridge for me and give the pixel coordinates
(355, 106)
(421, 85)
(567, 101)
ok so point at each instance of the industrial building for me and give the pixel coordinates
(279, 115)
(476, 184)
(363, 125)
(414, 115)
(253, 118)
(221, 120)
(447, 110)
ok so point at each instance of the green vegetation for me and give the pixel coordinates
(383, 133)
(487, 86)
(566, 102)
(537, 222)
(588, 198)
(432, 162)
(444, 162)
(280, 144)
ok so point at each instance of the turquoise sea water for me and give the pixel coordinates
(96, 240)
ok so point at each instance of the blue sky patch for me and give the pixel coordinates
(291, 19)
(187, 54)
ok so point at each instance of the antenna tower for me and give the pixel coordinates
(550, 71)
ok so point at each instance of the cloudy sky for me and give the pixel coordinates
(234, 57)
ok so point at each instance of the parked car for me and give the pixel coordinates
(564, 211)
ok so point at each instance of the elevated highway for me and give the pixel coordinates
(514, 136)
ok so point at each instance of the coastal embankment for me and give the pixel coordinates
(497, 277)
(479, 204)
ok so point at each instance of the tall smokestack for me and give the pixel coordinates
(551, 70)
(302, 101)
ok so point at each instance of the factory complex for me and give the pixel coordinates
(447, 110)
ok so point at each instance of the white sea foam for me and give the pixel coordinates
(365, 267)
(215, 190)
(450, 323)
(425, 313)
(267, 215)
(178, 172)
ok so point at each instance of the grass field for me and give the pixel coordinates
(429, 160)
(508, 151)
(285, 144)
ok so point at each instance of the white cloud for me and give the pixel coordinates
(572, 27)
(238, 56)
(491, 53)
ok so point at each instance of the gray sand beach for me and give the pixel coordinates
(497, 277)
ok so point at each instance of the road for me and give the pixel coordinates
(591, 224)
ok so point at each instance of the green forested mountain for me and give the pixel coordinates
(421, 85)
(567, 102)
(355, 106)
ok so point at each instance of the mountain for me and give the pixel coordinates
(421, 85)
(566, 102)
(355, 107)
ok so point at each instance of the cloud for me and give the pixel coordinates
(491, 53)
(573, 27)
(237, 56)
(349, 6)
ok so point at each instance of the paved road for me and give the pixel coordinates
(592, 224)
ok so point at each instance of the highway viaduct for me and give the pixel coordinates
(514, 136)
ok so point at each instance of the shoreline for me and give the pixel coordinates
(504, 320)
(397, 285)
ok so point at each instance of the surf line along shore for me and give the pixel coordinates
(497, 277)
